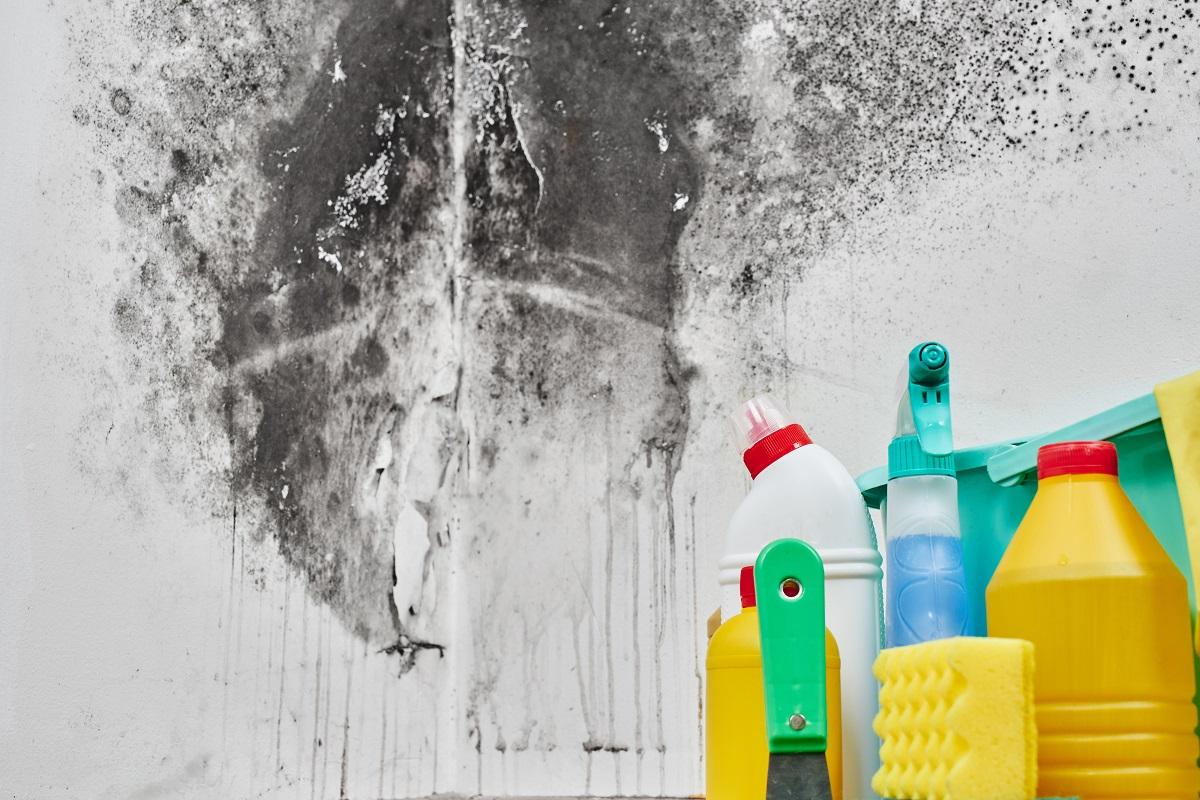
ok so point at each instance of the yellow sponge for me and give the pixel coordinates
(956, 720)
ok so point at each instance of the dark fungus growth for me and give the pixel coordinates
(120, 102)
(582, 166)
(407, 648)
(304, 341)
(582, 199)
(599, 152)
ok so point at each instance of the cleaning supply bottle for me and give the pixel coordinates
(926, 586)
(799, 490)
(1087, 582)
(735, 723)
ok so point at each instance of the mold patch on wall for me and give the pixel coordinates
(318, 341)
(283, 185)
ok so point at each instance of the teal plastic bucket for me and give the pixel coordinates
(996, 484)
(1144, 465)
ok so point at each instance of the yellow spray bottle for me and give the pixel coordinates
(735, 727)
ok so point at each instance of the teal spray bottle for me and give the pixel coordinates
(926, 586)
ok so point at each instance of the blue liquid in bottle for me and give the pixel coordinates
(927, 596)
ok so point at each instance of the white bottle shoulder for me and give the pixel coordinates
(806, 494)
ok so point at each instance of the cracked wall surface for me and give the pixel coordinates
(376, 354)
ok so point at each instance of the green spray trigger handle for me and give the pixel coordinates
(789, 581)
(929, 397)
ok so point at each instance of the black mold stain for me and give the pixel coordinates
(402, 65)
(369, 357)
(746, 281)
(120, 102)
(588, 199)
(581, 183)
(585, 168)
(407, 648)
(284, 326)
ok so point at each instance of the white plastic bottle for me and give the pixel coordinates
(800, 490)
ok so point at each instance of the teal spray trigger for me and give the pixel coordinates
(929, 397)
(924, 442)
(926, 596)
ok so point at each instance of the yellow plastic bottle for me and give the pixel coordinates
(1086, 581)
(736, 724)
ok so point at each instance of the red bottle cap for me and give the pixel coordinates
(769, 449)
(747, 584)
(764, 433)
(1077, 458)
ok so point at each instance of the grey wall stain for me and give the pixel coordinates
(577, 176)
(303, 337)
(588, 101)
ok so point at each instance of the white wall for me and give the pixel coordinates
(148, 648)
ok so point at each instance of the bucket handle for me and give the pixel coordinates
(1010, 467)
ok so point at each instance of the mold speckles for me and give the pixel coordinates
(120, 101)
(1088, 72)
(183, 165)
(127, 318)
(812, 114)
(746, 282)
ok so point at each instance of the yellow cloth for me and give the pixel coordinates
(1179, 404)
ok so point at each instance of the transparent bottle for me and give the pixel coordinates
(927, 594)
(926, 580)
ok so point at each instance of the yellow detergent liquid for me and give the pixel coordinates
(736, 724)
(1087, 582)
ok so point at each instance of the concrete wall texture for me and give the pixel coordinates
(366, 364)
